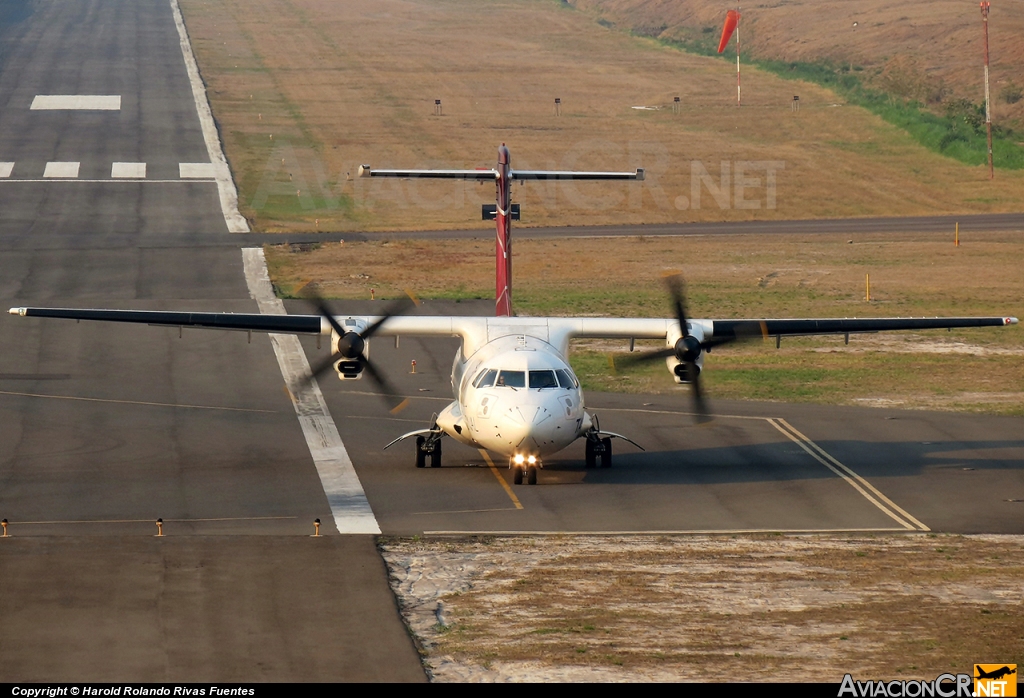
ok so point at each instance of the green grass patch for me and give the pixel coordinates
(958, 134)
(804, 373)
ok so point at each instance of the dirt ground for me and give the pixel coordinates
(304, 91)
(939, 41)
(703, 608)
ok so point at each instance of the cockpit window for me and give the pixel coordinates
(543, 379)
(566, 379)
(512, 379)
(486, 378)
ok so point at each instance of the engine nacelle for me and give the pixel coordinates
(680, 373)
(688, 349)
(350, 346)
(349, 369)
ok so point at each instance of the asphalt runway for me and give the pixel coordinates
(104, 429)
(756, 467)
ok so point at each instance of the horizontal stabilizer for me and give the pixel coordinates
(477, 175)
(562, 174)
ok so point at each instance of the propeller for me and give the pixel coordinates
(688, 348)
(352, 347)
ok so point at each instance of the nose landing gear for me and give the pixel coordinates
(521, 467)
(428, 448)
(599, 450)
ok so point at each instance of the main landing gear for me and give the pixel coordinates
(599, 450)
(428, 447)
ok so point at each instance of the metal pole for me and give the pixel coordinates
(738, 57)
(988, 108)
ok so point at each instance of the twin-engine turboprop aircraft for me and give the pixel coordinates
(515, 393)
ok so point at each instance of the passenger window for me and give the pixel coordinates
(486, 378)
(543, 379)
(566, 379)
(512, 379)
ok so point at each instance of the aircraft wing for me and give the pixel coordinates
(477, 331)
(252, 322)
(610, 328)
(795, 327)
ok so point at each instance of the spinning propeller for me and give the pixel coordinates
(352, 348)
(688, 348)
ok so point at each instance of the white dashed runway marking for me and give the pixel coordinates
(118, 171)
(61, 170)
(196, 170)
(83, 102)
(128, 170)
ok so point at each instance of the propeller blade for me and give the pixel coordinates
(700, 405)
(675, 289)
(321, 306)
(630, 361)
(745, 332)
(397, 308)
(391, 395)
(314, 373)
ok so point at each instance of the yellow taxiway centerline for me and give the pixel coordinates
(866, 489)
(494, 469)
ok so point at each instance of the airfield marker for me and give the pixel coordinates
(159, 528)
(413, 366)
(316, 528)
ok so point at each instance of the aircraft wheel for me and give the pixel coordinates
(517, 475)
(606, 457)
(531, 475)
(591, 456)
(435, 455)
(421, 455)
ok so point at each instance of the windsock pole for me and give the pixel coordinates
(732, 25)
(737, 57)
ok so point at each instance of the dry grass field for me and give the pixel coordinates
(737, 276)
(938, 42)
(306, 90)
(714, 609)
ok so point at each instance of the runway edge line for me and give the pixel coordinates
(349, 506)
(225, 184)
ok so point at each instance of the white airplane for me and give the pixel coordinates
(514, 391)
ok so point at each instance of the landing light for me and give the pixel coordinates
(519, 459)
(532, 460)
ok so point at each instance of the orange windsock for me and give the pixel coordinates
(731, 20)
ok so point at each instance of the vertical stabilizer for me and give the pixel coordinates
(503, 239)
